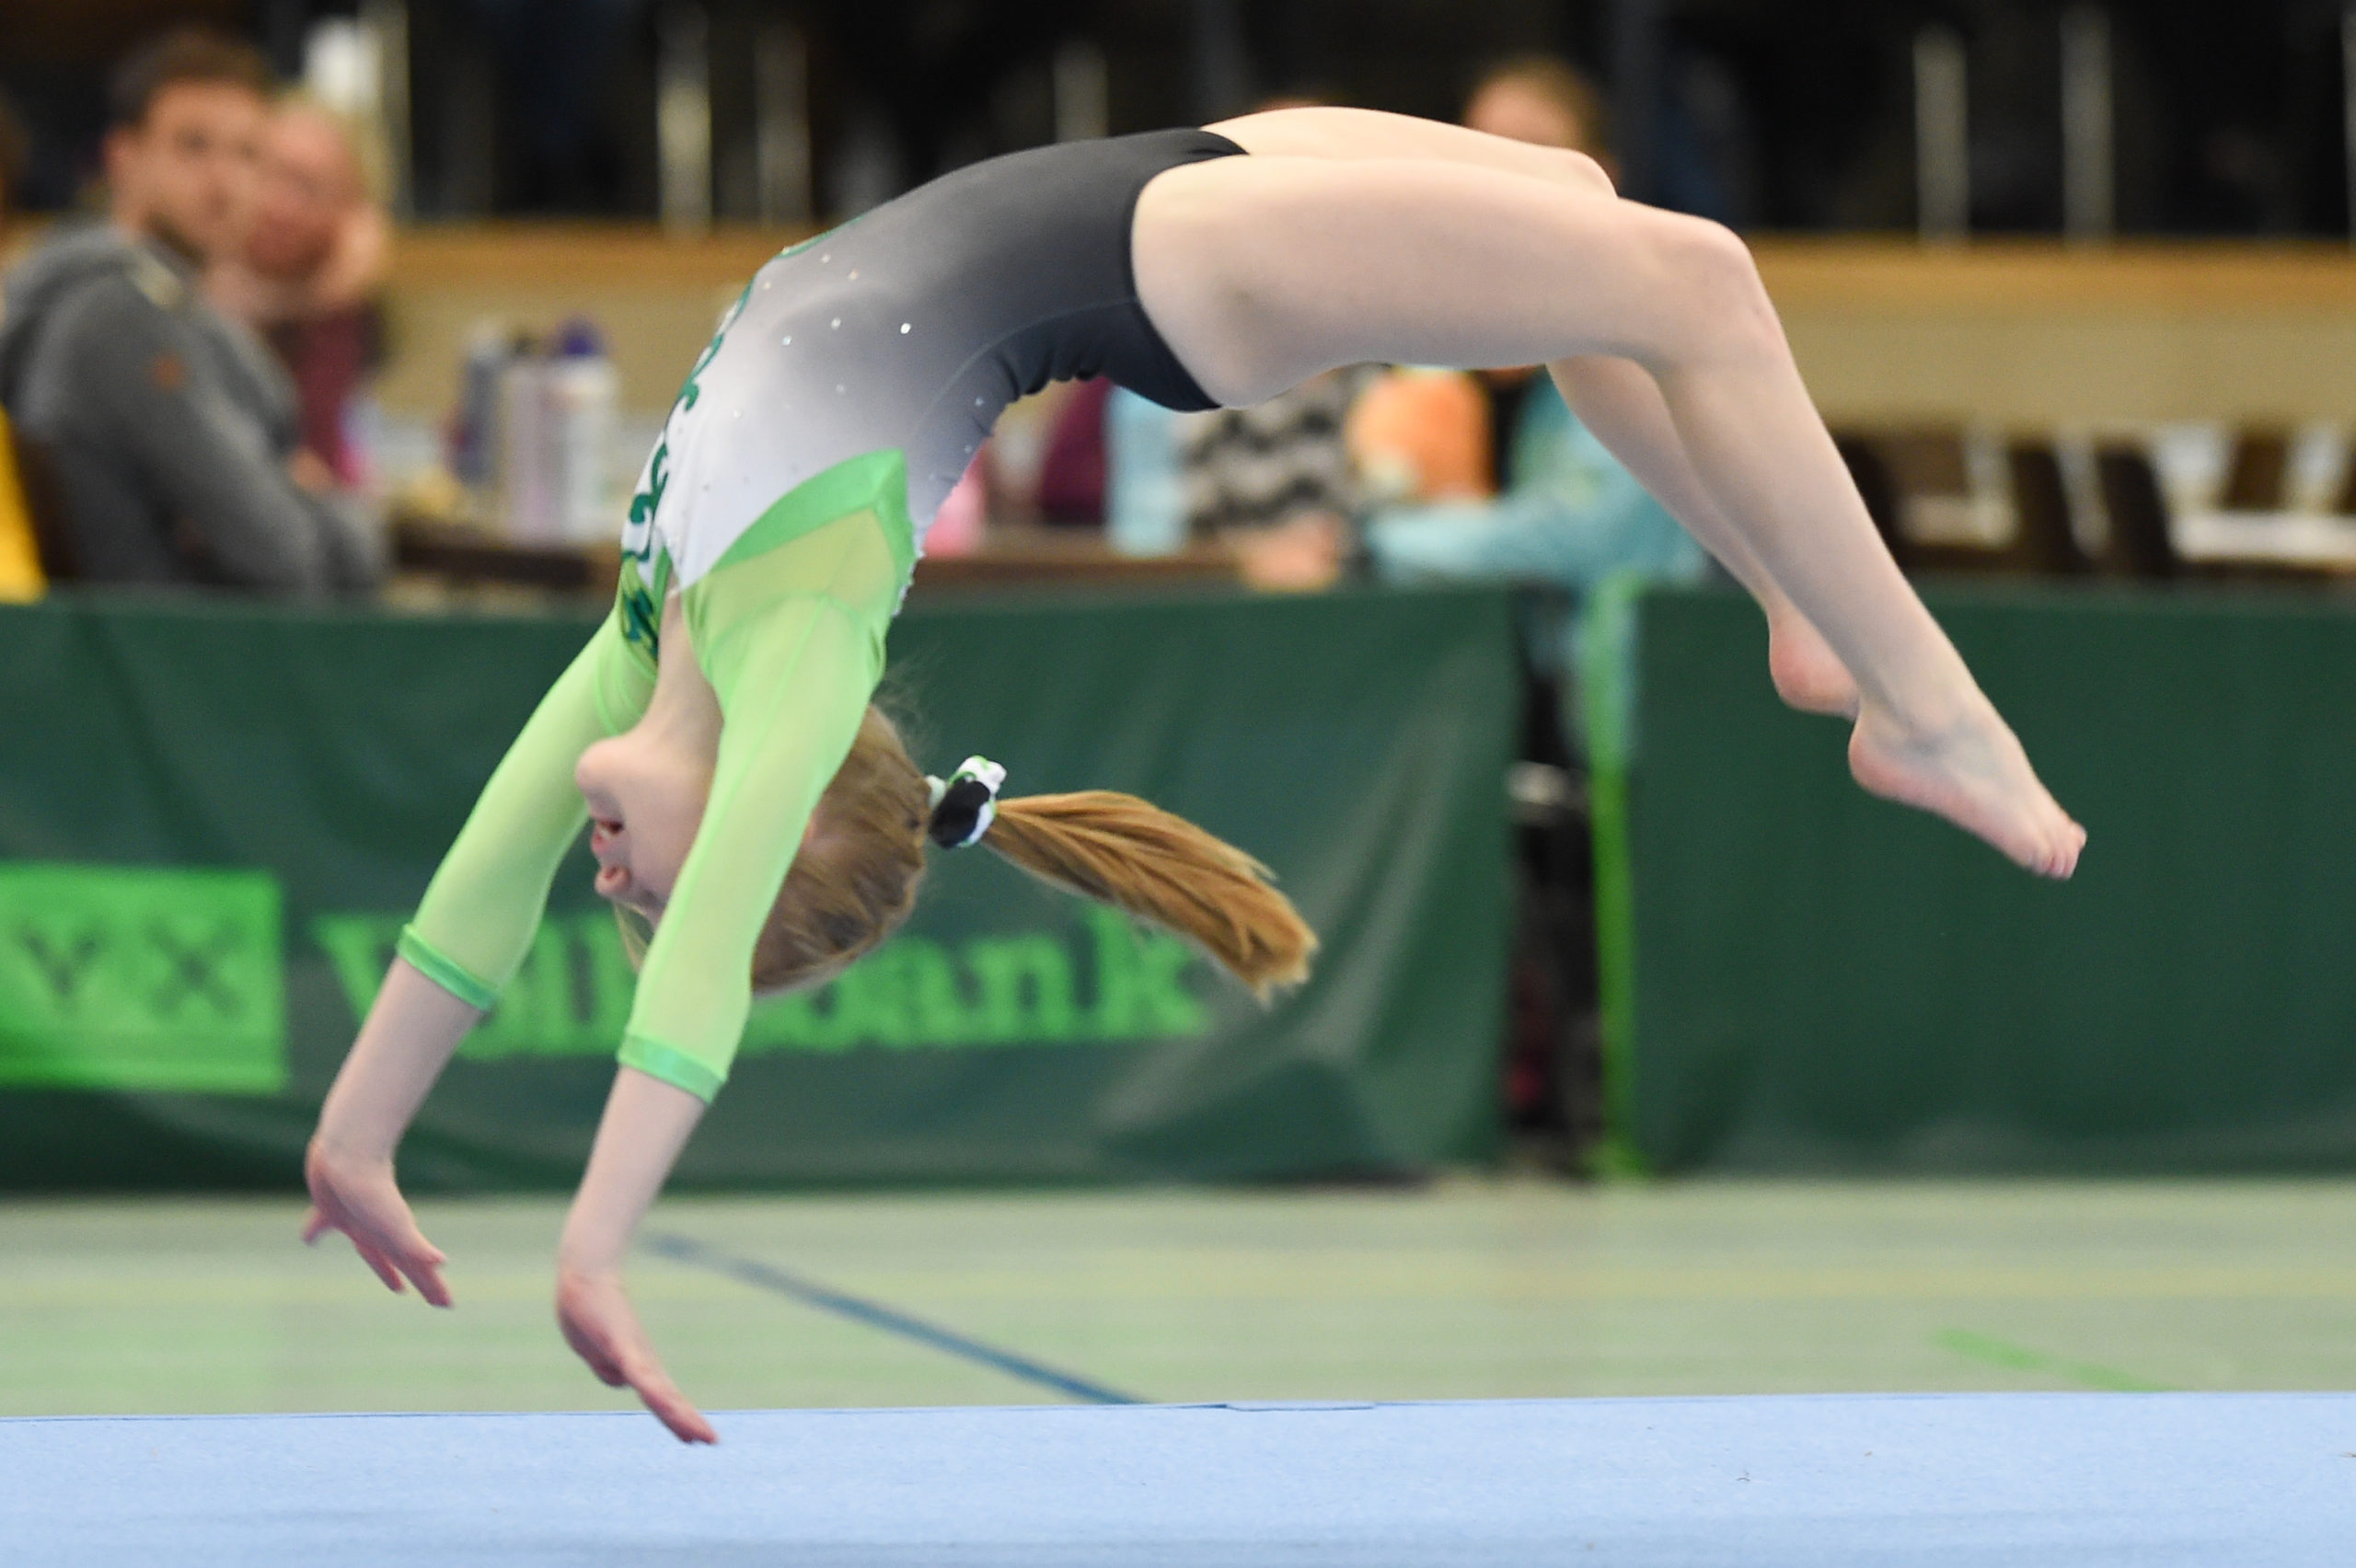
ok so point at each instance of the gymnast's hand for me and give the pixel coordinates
(602, 1329)
(361, 1199)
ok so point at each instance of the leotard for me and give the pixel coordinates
(842, 398)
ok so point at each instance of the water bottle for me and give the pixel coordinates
(473, 436)
(530, 494)
(584, 394)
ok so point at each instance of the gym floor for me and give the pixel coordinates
(1467, 1289)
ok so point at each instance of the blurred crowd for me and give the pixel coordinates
(177, 373)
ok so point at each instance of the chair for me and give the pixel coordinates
(2344, 504)
(2043, 541)
(1934, 521)
(2139, 544)
(1870, 472)
(2257, 476)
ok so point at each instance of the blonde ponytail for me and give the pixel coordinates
(1137, 858)
(859, 870)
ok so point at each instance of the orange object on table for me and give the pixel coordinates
(1422, 435)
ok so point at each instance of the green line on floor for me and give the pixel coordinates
(1993, 1352)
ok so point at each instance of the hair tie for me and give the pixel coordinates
(965, 803)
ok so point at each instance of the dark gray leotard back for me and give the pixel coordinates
(913, 327)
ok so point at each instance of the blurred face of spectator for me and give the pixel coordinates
(309, 186)
(186, 174)
(1524, 112)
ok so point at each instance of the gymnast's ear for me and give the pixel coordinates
(1135, 857)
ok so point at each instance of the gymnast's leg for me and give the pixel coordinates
(1262, 271)
(1613, 398)
(1623, 405)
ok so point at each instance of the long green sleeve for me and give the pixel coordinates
(484, 903)
(790, 635)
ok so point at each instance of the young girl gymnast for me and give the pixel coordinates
(758, 825)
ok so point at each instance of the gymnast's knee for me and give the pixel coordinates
(1582, 170)
(1715, 282)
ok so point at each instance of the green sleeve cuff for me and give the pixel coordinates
(444, 970)
(671, 1065)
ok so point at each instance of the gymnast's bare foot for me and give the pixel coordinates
(1809, 676)
(1972, 772)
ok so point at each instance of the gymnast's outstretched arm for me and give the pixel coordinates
(647, 1122)
(790, 641)
(470, 934)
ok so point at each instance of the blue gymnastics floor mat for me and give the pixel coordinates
(1936, 1479)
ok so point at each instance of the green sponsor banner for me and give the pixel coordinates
(571, 997)
(1812, 980)
(141, 979)
(321, 762)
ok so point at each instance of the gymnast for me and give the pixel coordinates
(757, 825)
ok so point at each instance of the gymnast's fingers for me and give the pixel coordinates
(670, 1406)
(686, 1423)
(423, 1262)
(643, 1369)
(427, 1277)
(375, 1259)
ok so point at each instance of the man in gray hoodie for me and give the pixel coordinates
(172, 433)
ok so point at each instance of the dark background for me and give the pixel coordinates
(1769, 114)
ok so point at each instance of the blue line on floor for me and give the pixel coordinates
(874, 1314)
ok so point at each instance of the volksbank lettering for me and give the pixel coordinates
(572, 995)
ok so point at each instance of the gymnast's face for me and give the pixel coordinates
(645, 795)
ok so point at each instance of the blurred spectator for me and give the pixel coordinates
(1272, 463)
(1549, 102)
(1071, 475)
(1145, 492)
(172, 430)
(1569, 515)
(1424, 435)
(1541, 100)
(308, 276)
(1565, 513)
(1273, 482)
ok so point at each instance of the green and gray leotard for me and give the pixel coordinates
(838, 402)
